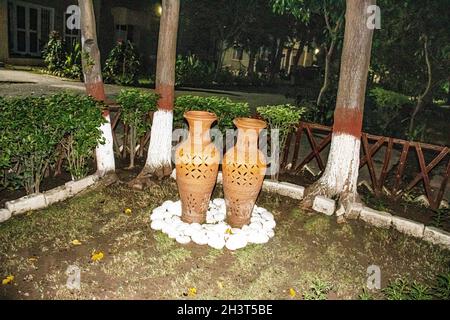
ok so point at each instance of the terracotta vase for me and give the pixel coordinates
(197, 163)
(243, 167)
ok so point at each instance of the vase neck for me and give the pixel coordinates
(247, 139)
(199, 131)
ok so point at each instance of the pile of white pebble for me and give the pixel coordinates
(215, 232)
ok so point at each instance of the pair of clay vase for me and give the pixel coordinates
(197, 164)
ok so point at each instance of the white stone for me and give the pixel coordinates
(236, 241)
(5, 214)
(408, 227)
(377, 218)
(437, 236)
(31, 202)
(167, 204)
(216, 242)
(77, 186)
(324, 205)
(157, 225)
(219, 202)
(256, 225)
(200, 238)
(258, 238)
(183, 239)
(269, 224)
(340, 211)
(55, 195)
(266, 215)
(175, 208)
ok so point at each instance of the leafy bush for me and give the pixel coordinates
(135, 107)
(59, 61)
(54, 53)
(385, 106)
(122, 64)
(34, 127)
(283, 117)
(191, 71)
(72, 65)
(80, 119)
(225, 109)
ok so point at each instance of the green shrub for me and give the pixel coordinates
(283, 117)
(80, 117)
(122, 64)
(59, 61)
(54, 53)
(72, 65)
(34, 127)
(386, 106)
(191, 71)
(225, 109)
(135, 107)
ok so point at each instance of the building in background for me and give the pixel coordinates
(25, 27)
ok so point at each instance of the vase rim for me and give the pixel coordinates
(249, 123)
(200, 115)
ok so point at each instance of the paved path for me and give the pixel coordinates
(16, 82)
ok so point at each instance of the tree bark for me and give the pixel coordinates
(420, 100)
(251, 63)
(341, 173)
(94, 83)
(159, 157)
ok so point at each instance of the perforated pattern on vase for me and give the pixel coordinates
(198, 167)
(243, 174)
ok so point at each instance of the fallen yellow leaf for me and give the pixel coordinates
(8, 279)
(127, 211)
(229, 231)
(97, 256)
(192, 292)
(292, 292)
(76, 242)
(220, 284)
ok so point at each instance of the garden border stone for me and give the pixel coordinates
(42, 200)
(57, 194)
(408, 227)
(437, 236)
(27, 203)
(5, 214)
(377, 218)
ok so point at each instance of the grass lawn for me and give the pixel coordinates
(310, 254)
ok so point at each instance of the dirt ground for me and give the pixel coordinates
(311, 256)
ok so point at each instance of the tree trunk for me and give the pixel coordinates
(159, 157)
(420, 100)
(94, 83)
(341, 173)
(326, 75)
(251, 63)
(276, 59)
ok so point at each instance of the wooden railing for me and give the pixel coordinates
(319, 137)
(293, 160)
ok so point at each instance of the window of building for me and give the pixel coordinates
(29, 27)
(238, 53)
(124, 32)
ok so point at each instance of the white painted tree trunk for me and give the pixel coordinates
(160, 149)
(94, 83)
(104, 152)
(341, 173)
